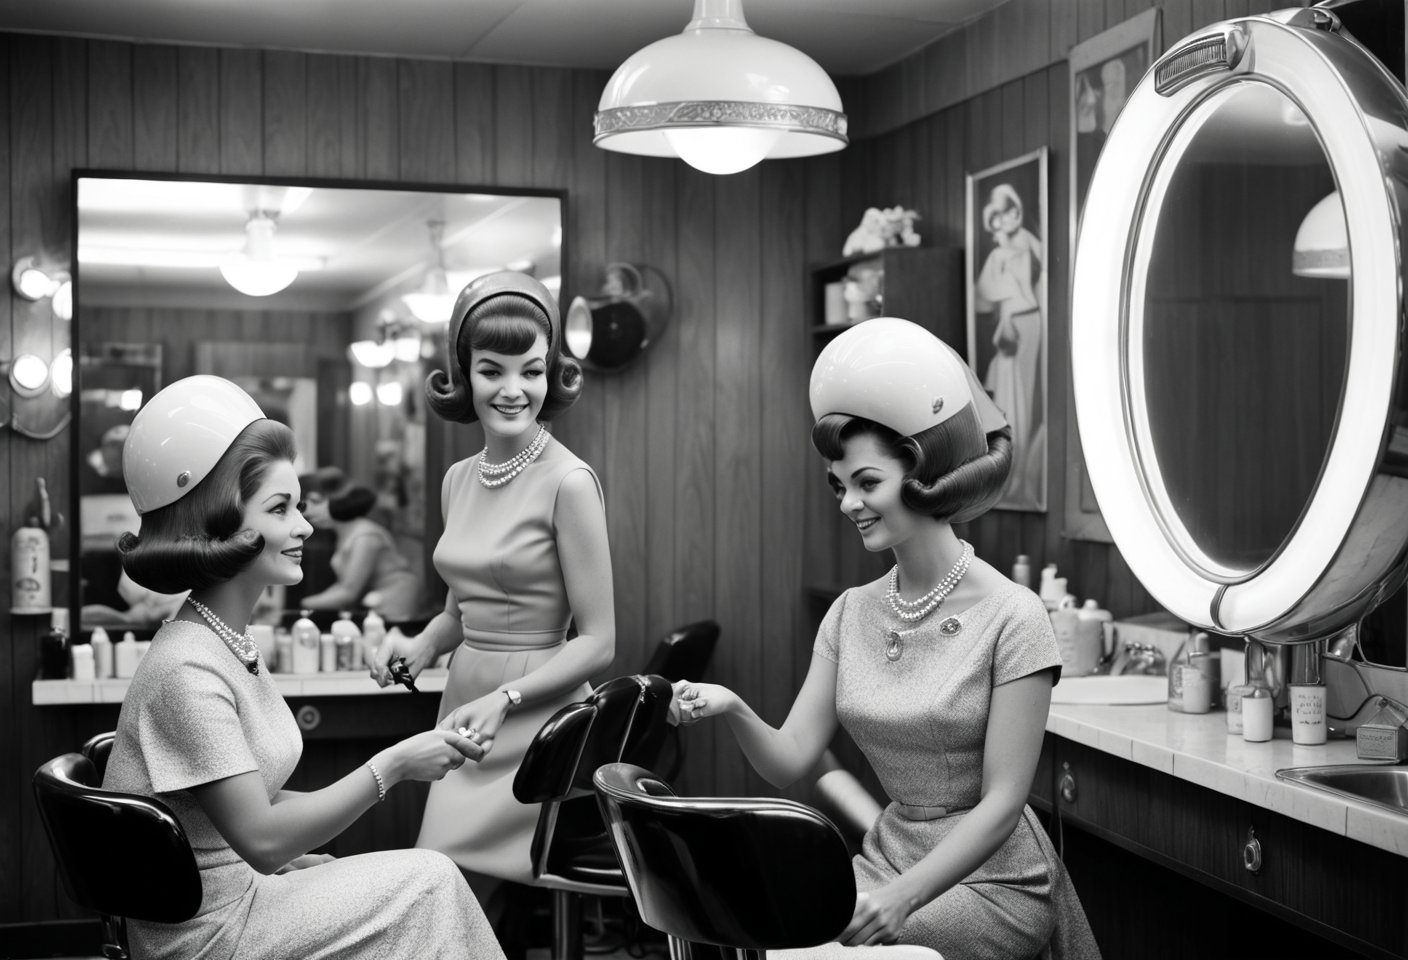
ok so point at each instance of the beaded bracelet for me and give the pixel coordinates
(380, 783)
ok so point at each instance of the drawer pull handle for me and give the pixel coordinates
(1068, 785)
(1251, 852)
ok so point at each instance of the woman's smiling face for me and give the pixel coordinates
(274, 513)
(868, 481)
(509, 389)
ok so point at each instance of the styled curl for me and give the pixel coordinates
(352, 502)
(502, 314)
(197, 541)
(953, 472)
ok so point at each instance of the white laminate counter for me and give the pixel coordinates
(343, 683)
(1198, 748)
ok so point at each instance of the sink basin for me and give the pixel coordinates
(1131, 689)
(1380, 784)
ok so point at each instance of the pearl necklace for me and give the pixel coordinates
(497, 474)
(912, 610)
(243, 647)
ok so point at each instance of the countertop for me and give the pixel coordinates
(342, 683)
(1197, 748)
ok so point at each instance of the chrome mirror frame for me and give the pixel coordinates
(1348, 550)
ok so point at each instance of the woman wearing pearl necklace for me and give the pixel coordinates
(204, 728)
(941, 671)
(524, 553)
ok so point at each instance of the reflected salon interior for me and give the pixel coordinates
(421, 427)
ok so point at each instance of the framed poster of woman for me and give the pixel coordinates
(1103, 71)
(1007, 311)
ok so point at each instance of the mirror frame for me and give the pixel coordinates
(1347, 551)
(434, 521)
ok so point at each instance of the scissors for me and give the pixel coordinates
(402, 674)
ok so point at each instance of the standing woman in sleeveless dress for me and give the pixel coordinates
(204, 728)
(941, 672)
(524, 554)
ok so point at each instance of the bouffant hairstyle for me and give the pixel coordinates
(324, 480)
(351, 502)
(953, 471)
(504, 321)
(197, 541)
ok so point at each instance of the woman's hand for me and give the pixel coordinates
(479, 720)
(395, 644)
(878, 918)
(693, 702)
(305, 861)
(434, 753)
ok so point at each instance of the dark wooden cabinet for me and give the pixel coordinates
(1272, 875)
(922, 284)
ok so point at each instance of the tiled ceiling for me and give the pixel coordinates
(847, 37)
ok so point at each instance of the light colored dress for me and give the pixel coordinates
(921, 721)
(193, 715)
(498, 556)
(392, 576)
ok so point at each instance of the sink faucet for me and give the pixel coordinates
(1139, 658)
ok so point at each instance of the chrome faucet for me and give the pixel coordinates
(1138, 658)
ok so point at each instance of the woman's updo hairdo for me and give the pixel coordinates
(198, 540)
(351, 502)
(953, 472)
(503, 312)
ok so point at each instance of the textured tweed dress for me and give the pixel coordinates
(193, 715)
(498, 556)
(921, 721)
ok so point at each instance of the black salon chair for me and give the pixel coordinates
(119, 854)
(682, 654)
(623, 719)
(745, 874)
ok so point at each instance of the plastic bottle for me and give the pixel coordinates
(53, 646)
(101, 646)
(125, 656)
(1022, 571)
(373, 632)
(1307, 695)
(283, 651)
(80, 662)
(1091, 631)
(327, 653)
(29, 571)
(1063, 622)
(347, 639)
(306, 637)
(1257, 705)
(1053, 588)
(1235, 693)
(1194, 675)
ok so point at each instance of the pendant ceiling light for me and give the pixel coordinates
(433, 302)
(255, 272)
(1322, 242)
(720, 97)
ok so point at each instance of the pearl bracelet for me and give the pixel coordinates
(380, 783)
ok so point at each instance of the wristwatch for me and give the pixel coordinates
(514, 698)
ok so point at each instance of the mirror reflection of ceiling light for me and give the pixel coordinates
(255, 272)
(373, 354)
(720, 97)
(1322, 242)
(360, 393)
(433, 301)
(390, 393)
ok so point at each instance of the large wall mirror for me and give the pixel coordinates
(326, 300)
(1239, 382)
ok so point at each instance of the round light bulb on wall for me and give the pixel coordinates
(28, 375)
(389, 394)
(61, 373)
(63, 300)
(360, 393)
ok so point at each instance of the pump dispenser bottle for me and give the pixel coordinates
(1307, 694)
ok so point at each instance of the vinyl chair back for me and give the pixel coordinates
(623, 718)
(684, 653)
(750, 874)
(119, 854)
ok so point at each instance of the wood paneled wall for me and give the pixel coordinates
(702, 447)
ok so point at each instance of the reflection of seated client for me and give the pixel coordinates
(366, 558)
(144, 607)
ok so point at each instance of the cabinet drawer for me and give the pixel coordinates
(1341, 889)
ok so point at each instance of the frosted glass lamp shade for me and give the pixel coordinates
(1322, 241)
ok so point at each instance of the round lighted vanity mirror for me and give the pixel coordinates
(1235, 372)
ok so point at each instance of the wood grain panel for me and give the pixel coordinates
(474, 123)
(109, 108)
(156, 109)
(427, 128)
(241, 113)
(198, 110)
(378, 121)
(285, 114)
(332, 117)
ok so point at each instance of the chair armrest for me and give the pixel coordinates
(848, 804)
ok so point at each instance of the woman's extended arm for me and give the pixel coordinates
(269, 835)
(1016, 722)
(355, 579)
(781, 756)
(585, 556)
